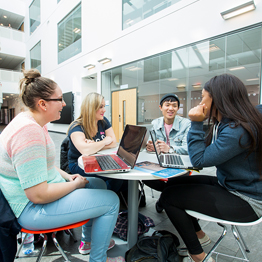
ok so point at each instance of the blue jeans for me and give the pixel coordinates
(115, 185)
(93, 202)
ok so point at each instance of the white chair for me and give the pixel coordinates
(234, 227)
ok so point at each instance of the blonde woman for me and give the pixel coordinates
(89, 133)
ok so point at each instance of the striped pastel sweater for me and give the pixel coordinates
(27, 158)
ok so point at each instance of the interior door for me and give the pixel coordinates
(124, 110)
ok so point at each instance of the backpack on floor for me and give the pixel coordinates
(160, 247)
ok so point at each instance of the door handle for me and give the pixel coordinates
(119, 118)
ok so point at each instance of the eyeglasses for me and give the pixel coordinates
(55, 99)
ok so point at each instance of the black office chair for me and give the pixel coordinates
(63, 155)
(9, 228)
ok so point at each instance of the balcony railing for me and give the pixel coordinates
(12, 34)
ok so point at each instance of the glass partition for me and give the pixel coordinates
(35, 57)
(34, 15)
(69, 35)
(134, 11)
(184, 72)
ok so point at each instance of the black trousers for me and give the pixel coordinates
(202, 194)
(160, 185)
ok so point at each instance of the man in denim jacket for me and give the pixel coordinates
(171, 129)
(171, 133)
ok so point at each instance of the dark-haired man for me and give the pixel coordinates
(171, 129)
(171, 134)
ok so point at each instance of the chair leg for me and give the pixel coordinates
(239, 238)
(69, 232)
(42, 248)
(23, 240)
(242, 239)
(217, 243)
(59, 247)
(152, 193)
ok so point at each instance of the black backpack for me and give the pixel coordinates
(160, 247)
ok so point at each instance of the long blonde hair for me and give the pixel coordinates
(87, 118)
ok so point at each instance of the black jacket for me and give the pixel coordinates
(9, 228)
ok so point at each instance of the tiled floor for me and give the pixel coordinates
(252, 234)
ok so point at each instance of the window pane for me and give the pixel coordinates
(137, 10)
(244, 60)
(69, 35)
(184, 72)
(35, 57)
(34, 15)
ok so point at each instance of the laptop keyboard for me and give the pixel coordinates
(173, 160)
(107, 162)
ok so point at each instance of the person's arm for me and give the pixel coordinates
(222, 150)
(45, 193)
(110, 132)
(88, 147)
(30, 157)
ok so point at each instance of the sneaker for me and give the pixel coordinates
(85, 247)
(190, 259)
(115, 259)
(159, 208)
(205, 241)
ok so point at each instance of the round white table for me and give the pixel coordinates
(133, 177)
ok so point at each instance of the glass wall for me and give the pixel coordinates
(134, 11)
(69, 35)
(35, 57)
(185, 71)
(34, 15)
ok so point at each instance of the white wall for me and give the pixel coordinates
(14, 6)
(183, 23)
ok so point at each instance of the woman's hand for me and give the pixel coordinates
(89, 141)
(198, 113)
(80, 181)
(74, 176)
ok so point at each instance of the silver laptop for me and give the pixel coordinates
(171, 160)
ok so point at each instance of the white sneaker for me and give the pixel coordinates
(205, 241)
(190, 259)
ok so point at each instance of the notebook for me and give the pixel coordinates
(171, 160)
(125, 158)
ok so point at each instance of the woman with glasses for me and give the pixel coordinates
(41, 195)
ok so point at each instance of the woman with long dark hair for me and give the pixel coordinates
(234, 146)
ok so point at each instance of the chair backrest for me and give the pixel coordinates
(63, 155)
(218, 220)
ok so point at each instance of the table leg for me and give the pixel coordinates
(132, 213)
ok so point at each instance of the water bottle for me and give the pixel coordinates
(28, 246)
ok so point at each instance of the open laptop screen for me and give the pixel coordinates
(130, 144)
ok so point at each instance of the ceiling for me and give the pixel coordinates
(7, 18)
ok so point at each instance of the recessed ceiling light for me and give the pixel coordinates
(5, 16)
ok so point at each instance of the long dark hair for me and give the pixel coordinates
(230, 98)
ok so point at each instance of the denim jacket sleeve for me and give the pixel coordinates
(178, 133)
